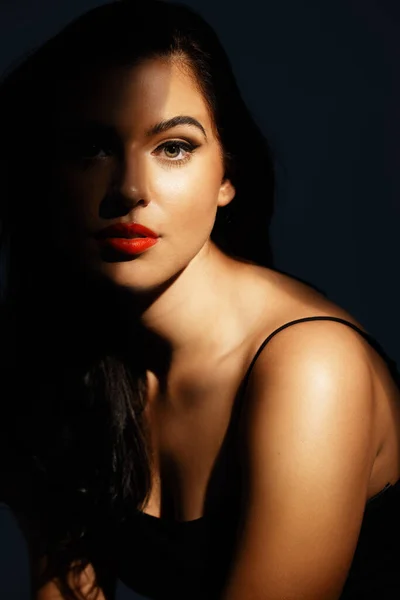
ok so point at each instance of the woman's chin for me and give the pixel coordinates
(131, 276)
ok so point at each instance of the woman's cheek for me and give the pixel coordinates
(82, 193)
(190, 208)
(194, 184)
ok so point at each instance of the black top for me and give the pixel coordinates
(162, 558)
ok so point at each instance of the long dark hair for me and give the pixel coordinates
(73, 405)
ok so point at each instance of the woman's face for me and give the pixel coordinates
(137, 144)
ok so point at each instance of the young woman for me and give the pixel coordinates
(177, 415)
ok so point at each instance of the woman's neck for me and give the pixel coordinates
(198, 314)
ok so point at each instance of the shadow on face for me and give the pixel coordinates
(136, 144)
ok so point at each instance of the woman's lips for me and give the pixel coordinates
(125, 230)
(129, 246)
(128, 238)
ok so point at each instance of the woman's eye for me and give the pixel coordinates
(89, 150)
(172, 150)
(80, 148)
(92, 150)
(176, 151)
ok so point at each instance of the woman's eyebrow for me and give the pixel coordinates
(163, 126)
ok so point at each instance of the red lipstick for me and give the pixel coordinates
(129, 238)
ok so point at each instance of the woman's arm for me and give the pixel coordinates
(310, 448)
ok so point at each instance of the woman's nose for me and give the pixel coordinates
(132, 180)
(127, 192)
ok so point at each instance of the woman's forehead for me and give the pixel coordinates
(155, 89)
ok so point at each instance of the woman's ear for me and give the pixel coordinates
(226, 193)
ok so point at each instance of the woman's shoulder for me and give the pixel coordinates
(297, 322)
(310, 438)
(309, 343)
(282, 302)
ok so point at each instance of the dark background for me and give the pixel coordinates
(323, 81)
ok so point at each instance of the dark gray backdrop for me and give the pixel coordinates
(323, 81)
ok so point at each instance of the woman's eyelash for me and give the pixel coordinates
(85, 149)
(187, 147)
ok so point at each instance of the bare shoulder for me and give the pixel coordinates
(309, 337)
(278, 300)
(325, 360)
(309, 450)
(313, 364)
(292, 299)
(302, 320)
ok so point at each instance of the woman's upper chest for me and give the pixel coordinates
(193, 434)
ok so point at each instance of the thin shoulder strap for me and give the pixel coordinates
(365, 335)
